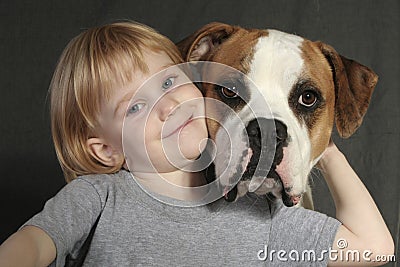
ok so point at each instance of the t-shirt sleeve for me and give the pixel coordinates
(68, 217)
(304, 235)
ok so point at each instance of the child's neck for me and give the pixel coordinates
(175, 184)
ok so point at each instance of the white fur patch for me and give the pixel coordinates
(276, 67)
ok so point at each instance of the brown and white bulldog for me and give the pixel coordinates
(308, 87)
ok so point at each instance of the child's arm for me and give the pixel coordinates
(363, 227)
(30, 246)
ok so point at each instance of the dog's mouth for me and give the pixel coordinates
(264, 135)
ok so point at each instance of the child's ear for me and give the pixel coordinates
(103, 152)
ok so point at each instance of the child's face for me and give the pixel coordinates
(160, 116)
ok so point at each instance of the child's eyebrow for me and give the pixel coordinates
(127, 97)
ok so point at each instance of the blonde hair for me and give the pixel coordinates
(91, 65)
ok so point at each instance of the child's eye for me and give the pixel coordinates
(168, 83)
(135, 108)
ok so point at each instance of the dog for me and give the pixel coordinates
(309, 88)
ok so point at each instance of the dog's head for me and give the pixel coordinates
(308, 88)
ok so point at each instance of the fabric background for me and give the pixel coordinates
(33, 34)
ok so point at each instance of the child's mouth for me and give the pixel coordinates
(177, 130)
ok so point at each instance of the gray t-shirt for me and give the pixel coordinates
(134, 229)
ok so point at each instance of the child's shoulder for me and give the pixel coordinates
(105, 180)
(101, 185)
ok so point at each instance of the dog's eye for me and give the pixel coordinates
(308, 98)
(229, 92)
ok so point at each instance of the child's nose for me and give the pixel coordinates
(167, 107)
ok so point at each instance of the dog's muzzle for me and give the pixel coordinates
(260, 173)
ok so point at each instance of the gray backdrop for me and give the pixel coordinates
(33, 34)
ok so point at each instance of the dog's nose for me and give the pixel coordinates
(273, 137)
(266, 128)
(281, 131)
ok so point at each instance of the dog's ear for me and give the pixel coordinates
(354, 84)
(202, 43)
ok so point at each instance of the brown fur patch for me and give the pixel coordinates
(317, 69)
(238, 50)
(354, 84)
